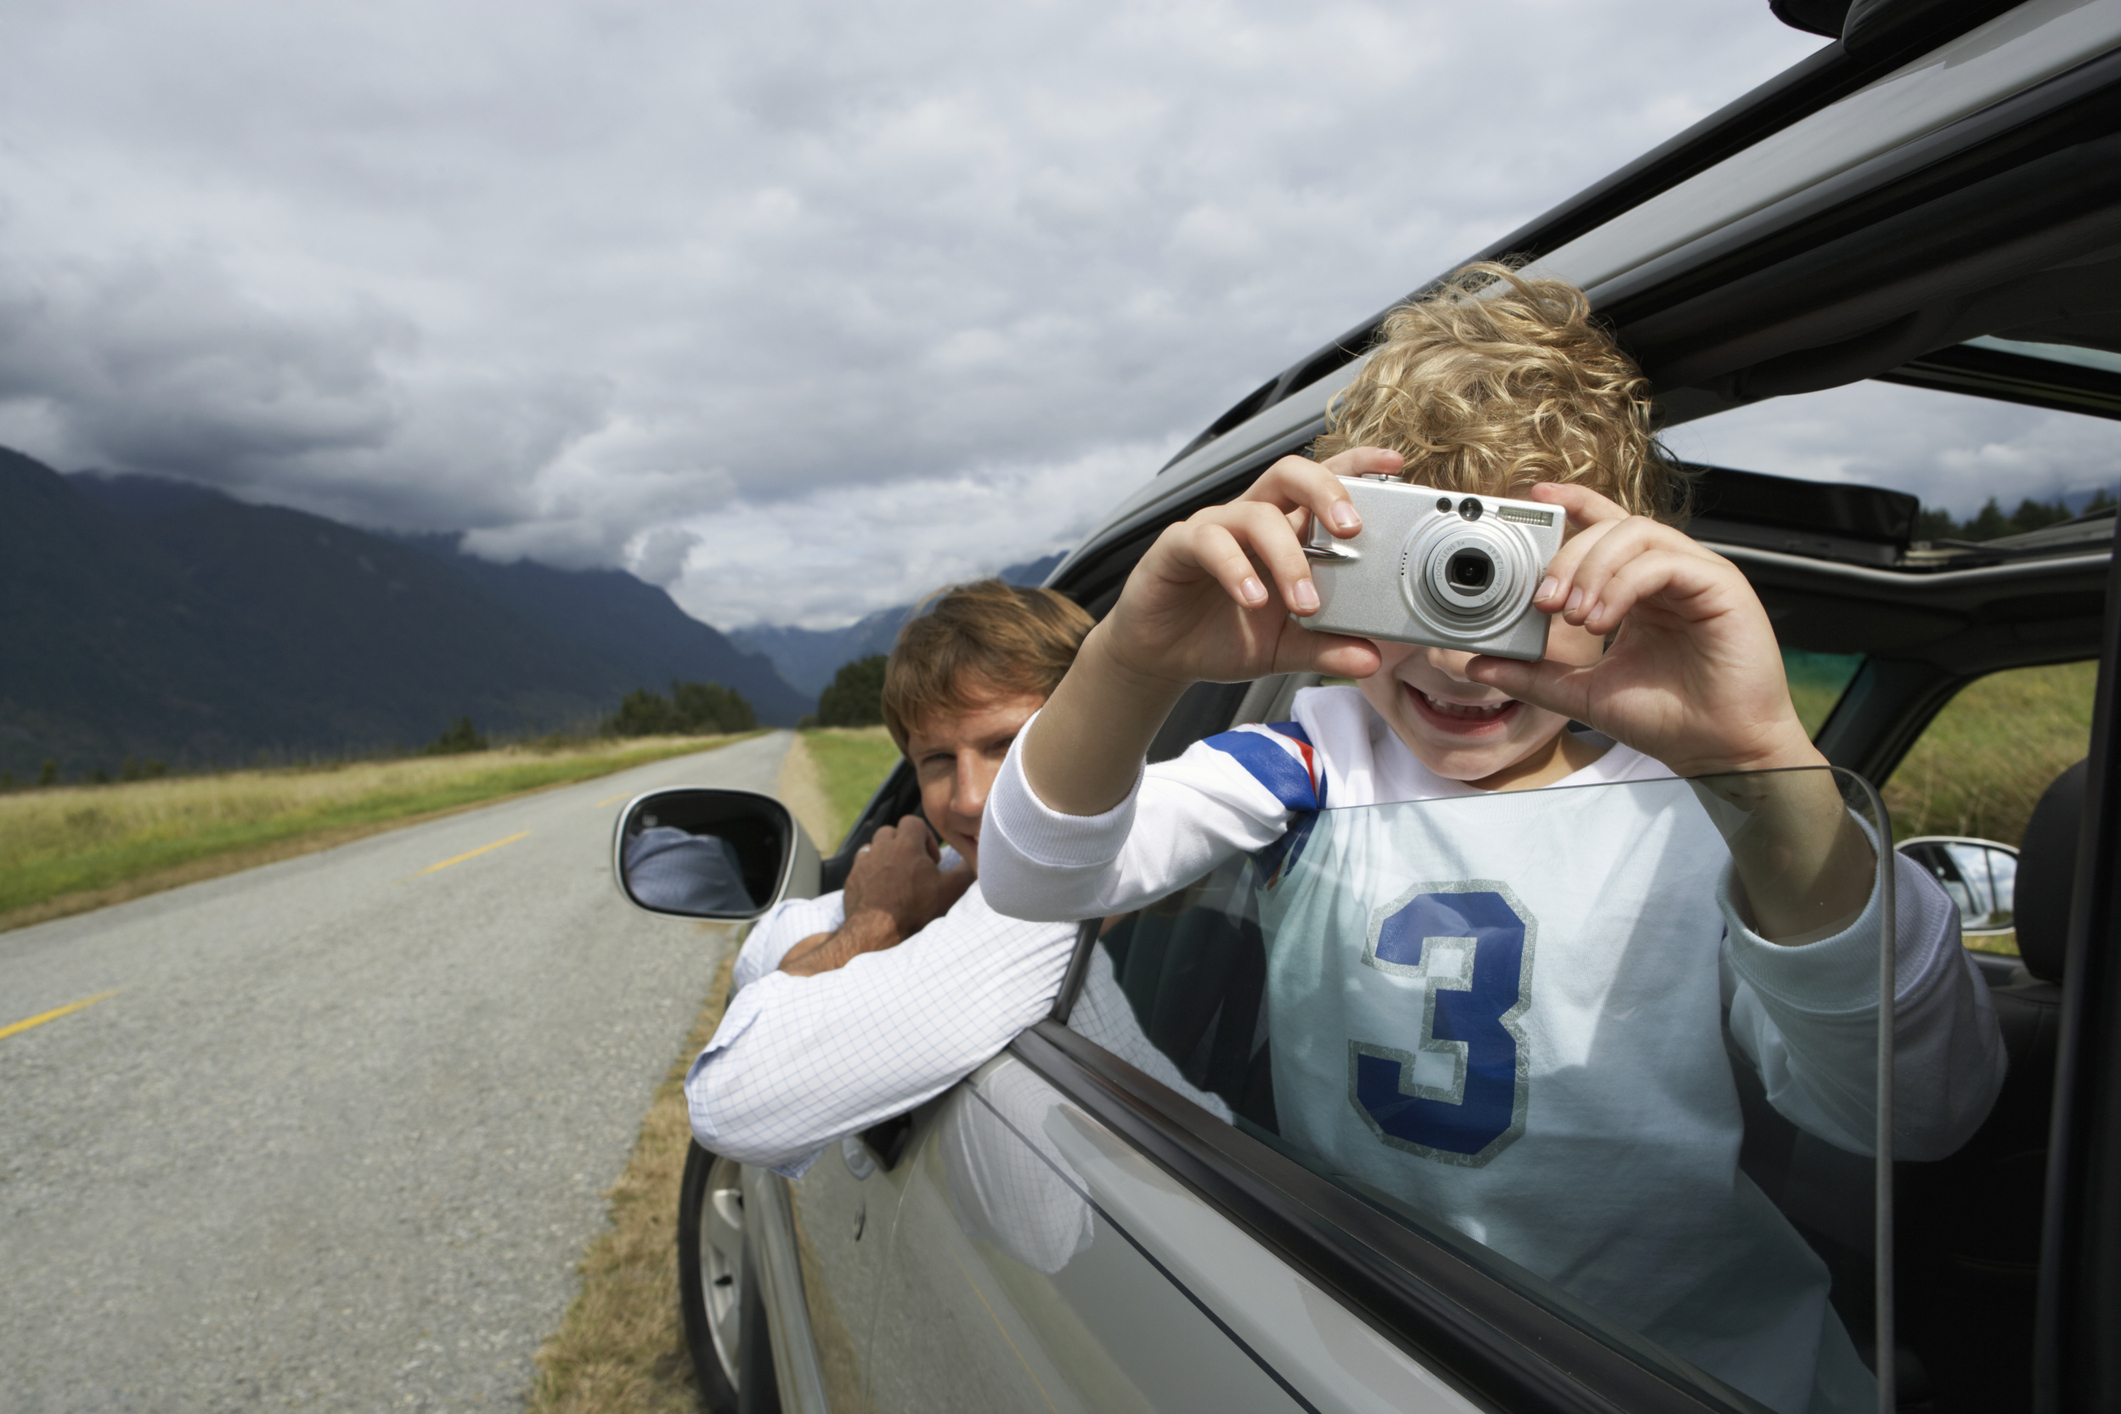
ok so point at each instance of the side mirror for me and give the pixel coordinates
(1980, 875)
(726, 854)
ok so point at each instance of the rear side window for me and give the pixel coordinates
(1982, 764)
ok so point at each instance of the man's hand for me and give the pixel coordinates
(895, 889)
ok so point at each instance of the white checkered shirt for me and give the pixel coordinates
(799, 1063)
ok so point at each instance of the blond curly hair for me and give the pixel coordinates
(1493, 395)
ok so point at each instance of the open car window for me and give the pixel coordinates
(1545, 1030)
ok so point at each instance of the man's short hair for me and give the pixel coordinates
(1494, 390)
(972, 643)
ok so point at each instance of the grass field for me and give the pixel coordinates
(852, 762)
(75, 847)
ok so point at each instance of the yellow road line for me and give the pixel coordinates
(471, 854)
(610, 799)
(53, 1015)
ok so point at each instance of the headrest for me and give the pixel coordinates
(2047, 874)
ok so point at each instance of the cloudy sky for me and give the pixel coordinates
(801, 309)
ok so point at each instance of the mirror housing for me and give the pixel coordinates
(721, 854)
(1981, 876)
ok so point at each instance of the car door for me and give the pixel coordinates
(840, 1244)
(1041, 1262)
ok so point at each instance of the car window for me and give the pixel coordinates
(1981, 765)
(1515, 1023)
(1817, 681)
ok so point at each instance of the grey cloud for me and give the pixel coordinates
(585, 278)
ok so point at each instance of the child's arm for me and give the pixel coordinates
(1195, 609)
(1693, 678)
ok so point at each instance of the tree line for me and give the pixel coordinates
(692, 709)
(1992, 522)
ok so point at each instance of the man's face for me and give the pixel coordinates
(956, 758)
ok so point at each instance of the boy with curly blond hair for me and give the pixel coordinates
(1508, 1016)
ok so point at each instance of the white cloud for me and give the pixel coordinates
(568, 275)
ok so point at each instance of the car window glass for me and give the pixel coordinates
(1981, 765)
(1817, 681)
(1515, 1022)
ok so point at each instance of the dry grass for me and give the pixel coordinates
(620, 1348)
(72, 848)
(802, 790)
(1980, 767)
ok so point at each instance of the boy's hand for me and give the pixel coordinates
(1198, 608)
(1693, 677)
(1210, 601)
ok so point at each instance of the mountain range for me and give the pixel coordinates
(809, 657)
(156, 619)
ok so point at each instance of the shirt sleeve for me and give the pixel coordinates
(1807, 1017)
(800, 1063)
(1230, 794)
(779, 929)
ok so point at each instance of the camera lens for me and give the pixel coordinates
(1470, 508)
(1469, 571)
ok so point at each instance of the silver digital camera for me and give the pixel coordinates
(1429, 567)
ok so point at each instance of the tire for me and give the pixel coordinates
(715, 1283)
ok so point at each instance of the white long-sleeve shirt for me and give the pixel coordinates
(799, 1063)
(1505, 1010)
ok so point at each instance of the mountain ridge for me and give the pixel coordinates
(808, 657)
(151, 618)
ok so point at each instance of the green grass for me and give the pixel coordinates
(90, 840)
(1981, 765)
(851, 763)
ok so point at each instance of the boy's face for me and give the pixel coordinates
(1461, 730)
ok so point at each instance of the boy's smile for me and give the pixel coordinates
(1466, 732)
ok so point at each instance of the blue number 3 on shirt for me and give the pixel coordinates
(1459, 1094)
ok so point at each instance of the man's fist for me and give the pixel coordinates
(896, 888)
(898, 872)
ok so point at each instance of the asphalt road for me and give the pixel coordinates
(338, 1139)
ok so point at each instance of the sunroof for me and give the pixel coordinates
(2063, 377)
(2053, 353)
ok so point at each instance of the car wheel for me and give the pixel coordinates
(713, 1277)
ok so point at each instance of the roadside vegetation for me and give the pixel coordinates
(620, 1348)
(851, 763)
(68, 849)
(854, 697)
(692, 709)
